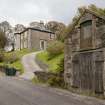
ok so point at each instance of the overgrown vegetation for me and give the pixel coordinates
(92, 7)
(1, 55)
(54, 80)
(53, 63)
(75, 21)
(55, 48)
(54, 58)
(57, 81)
(3, 40)
(13, 59)
(58, 28)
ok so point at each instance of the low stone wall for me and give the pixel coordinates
(41, 64)
(44, 76)
(2, 69)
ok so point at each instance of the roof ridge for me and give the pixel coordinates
(48, 31)
(94, 13)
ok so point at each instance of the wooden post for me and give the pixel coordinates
(94, 32)
(20, 41)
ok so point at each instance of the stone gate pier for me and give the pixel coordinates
(85, 54)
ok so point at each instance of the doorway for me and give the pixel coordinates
(42, 44)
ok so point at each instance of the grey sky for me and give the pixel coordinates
(26, 11)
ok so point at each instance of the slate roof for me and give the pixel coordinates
(41, 30)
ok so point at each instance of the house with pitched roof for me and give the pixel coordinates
(33, 38)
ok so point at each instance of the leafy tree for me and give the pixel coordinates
(19, 27)
(5, 26)
(3, 40)
(39, 25)
(55, 48)
(56, 27)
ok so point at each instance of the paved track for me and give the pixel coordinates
(20, 92)
(30, 66)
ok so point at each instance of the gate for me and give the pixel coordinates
(88, 71)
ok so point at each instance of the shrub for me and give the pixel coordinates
(1, 56)
(55, 48)
(60, 68)
(56, 81)
(59, 79)
(3, 39)
(11, 58)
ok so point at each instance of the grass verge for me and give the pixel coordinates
(52, 63)
(16, 64)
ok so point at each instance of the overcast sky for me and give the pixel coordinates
(26, 11)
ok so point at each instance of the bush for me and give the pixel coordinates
(60, 68)
(56, 81)
(1, 56)
(55, 48)
(11, 58)
(3, 39)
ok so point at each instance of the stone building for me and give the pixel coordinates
(33, 38)
(85, 54)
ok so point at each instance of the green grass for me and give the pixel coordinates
(52, 63)
(17, 64)
(19, 53)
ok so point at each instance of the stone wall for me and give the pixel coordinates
(37, 36)
(44, 76)
(100, 36)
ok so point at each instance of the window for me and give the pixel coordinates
(86, 29)
(86, 35)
